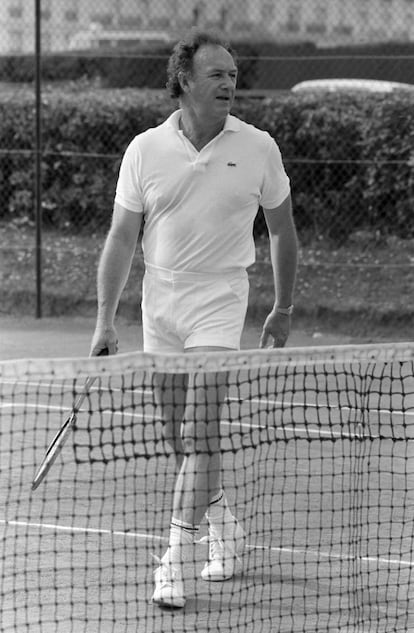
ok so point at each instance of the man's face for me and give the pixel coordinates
(211, 85)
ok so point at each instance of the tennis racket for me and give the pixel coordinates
(62, 435)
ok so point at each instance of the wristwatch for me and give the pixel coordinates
(287, 311)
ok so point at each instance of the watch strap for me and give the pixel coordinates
(287, 311)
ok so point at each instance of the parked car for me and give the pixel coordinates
(349, 85)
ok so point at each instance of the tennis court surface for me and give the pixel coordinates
(318, 462)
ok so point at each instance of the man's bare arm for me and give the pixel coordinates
(113, 271)
(284, 254)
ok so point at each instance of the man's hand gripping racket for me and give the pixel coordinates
(61, 436)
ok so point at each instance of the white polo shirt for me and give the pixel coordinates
(199, 207)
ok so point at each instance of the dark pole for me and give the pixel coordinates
(38, 159)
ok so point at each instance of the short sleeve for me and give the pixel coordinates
(128, 189)
(276, 184)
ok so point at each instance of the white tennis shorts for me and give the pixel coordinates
(185, 310)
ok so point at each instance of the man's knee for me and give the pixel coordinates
(200, 437)
(172, 436)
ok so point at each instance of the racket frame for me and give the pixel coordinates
(61, 436)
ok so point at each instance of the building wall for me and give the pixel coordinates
(323, 21)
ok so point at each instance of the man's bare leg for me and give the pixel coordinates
(170, 395)
(199, 480)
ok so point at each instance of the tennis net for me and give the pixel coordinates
(317, 448)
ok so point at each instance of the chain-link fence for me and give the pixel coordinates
(99, 80)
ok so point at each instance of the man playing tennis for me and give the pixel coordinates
(197, 180)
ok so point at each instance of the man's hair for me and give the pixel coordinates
(182, 56)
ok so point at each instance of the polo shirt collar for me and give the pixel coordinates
(232, 123)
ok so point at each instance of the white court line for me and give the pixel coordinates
(299, 429)
(57, 386)
(316, 405)
(264, 401)
(79, 530)
(305, 430)
(153, 537)
(286, 404)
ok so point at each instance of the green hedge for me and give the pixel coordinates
(350, 158)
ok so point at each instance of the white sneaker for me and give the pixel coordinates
(224, 554)
(169, 586)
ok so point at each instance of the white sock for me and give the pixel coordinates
(181, 542)
(219, 514)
